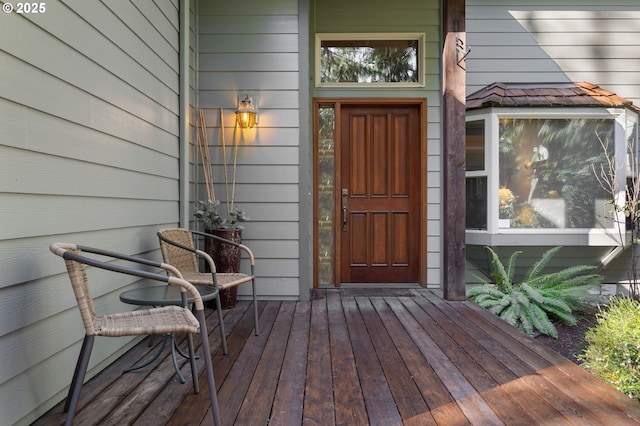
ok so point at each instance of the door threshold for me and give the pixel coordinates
(379, 285)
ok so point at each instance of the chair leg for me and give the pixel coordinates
(223, 333)
(71, 404)
(192, 361)
(255, 306)
(215, 410)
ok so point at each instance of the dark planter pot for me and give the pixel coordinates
(227, 259)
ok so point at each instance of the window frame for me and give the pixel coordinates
(496, 236)
(419, 37)
(484, 173)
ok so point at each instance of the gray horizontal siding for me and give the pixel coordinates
(27, 129)
(257, 8)
(256, 53)
(29, 86)
(555, 41)
(378, 16)
(254, 23)
(250, 62)
(238, 43)
(480, 258)
(35, 172)
(89, 154)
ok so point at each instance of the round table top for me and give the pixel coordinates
(163, 295)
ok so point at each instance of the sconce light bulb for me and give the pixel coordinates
(246, 114)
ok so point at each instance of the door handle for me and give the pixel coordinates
(345, 207)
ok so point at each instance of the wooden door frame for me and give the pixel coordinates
(337, 103)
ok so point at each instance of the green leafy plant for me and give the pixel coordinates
(613, 346)
(539, 298)
(207, 212)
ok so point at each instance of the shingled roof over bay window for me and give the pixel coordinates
(581, 94)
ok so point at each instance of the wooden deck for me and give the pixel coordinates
(380, 357)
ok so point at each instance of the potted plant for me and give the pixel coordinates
(226, 256)
(228, 228)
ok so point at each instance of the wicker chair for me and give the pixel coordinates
(153, 321)
(178, 249)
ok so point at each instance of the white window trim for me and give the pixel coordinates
(419, 37)
(495, 236)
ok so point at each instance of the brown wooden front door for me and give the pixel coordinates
(379, 184)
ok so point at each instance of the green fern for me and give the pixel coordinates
(504, 278)
(542, 322)
(537, 267)
(534, 303)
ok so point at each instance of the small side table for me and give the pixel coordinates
(164, 295)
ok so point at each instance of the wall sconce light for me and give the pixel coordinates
(246, 115)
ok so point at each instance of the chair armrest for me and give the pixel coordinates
(233, 243)
(72, 252)
(142, 261)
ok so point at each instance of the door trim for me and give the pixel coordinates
(337, 103)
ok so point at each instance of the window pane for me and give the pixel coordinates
(547, 177)
(475, 145)
(632, 145)
(477, 203)
(326, 179)
(369, 61)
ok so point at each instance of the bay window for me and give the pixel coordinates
(531, 174)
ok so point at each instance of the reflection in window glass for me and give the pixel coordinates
(547, 175)
(369, 61)
(326, 184)
(476, 213)
(632, 146)
(475, 146)
(632, 159)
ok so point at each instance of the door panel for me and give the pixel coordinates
(380, 180)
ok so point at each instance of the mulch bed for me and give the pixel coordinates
(570, 342)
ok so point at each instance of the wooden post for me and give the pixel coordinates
(454, 88)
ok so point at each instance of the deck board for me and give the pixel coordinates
(288, 401)
(497, 361)
(259, 398)
(440, 404)
(379, 402)
(358, 357)
(319, 408)
(406, 395)
(350, 408)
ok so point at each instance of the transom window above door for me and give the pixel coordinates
(381, 60)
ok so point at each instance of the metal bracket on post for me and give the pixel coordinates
(461, 53)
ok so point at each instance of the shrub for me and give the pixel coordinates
(540, 298)
(613, 346)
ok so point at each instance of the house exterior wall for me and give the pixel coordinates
(89, 103)
(535, 41)
(89, 154)
(551, 41)
(256, 54)
(406, 16)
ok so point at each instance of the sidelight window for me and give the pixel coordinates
(325, 176)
